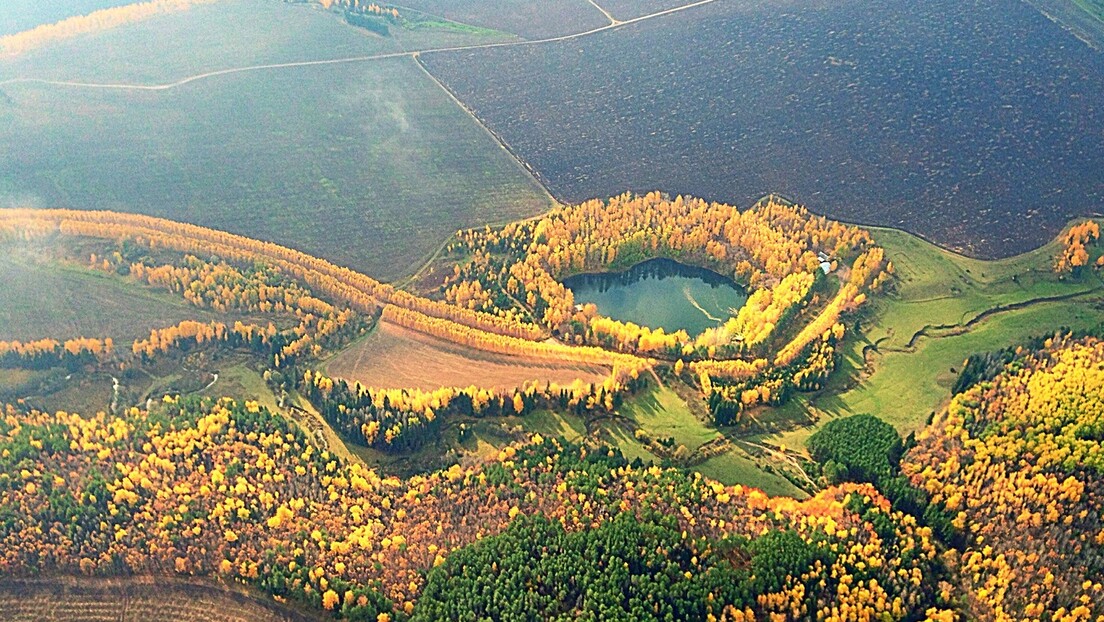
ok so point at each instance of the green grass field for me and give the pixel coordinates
(368, 164)
(242, 382)
(611, 433)
(531, 20)
(41, 297)
(551, 425)
(946, 307)
(937, 287)
(737, 467)
(664, 414)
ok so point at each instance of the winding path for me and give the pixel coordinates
(614, 24)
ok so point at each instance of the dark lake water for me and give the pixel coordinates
(661, 293)
(978, 124)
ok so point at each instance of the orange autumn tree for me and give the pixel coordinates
(778, 249)
(773, 246)
(524, 263)
(1074, 254)
(228, 490)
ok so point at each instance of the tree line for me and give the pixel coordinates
(97, 21)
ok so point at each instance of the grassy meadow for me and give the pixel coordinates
(43, 297)
(529, 20)
(945, 308)
(738, 467)
(368, 164)
(663, 414)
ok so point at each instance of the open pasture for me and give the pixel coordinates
(737, 467)
(945, 308)
(977, 125)
(395, 357)
(40, 297)
(663, 414)
(370, 165)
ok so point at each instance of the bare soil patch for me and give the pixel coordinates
(146, 599)
(397, 357)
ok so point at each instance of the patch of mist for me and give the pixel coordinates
(10, 199)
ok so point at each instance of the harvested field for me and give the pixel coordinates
(396, 357)
(370, 165)
(148, 599)
(631, 9)
(974, 124)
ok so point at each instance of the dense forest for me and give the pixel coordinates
(549, 530)
(1016, 461)
(505, 296)
(474, 442)
(228, 489)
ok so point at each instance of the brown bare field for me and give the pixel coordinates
(134, 599)
(397, 357)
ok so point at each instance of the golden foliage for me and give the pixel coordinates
(1018, 463)
(215, 488)
(1074, 253)
(97, 21)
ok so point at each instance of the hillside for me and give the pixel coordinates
(1016, 460)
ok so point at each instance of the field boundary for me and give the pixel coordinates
(613, 20)
(351, 59)
(932, 331)
(1096, 215)
(529, 171)
(1070, 15)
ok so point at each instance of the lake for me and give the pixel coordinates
(661, 293)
